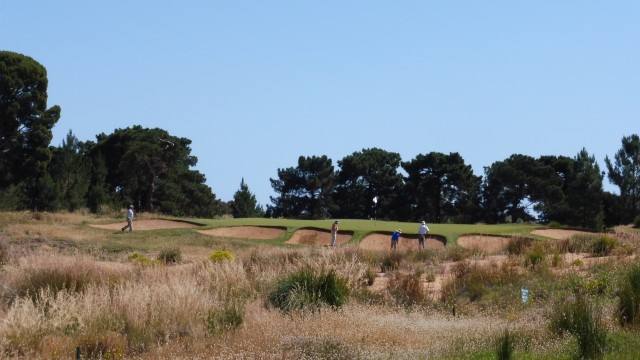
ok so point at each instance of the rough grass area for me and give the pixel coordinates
(179, 294)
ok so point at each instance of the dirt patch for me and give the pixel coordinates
(558, 234)
(246, 232)
(317, 237)
(380, 241)
(153, 224)
(484, 243)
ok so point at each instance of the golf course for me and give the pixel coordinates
(189, 288)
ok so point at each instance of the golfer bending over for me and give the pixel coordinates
(394, 239)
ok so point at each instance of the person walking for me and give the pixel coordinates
(423, 230)
(334, 232)
(394, 239)
(129, 219)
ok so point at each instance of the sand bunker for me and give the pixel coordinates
(378, 241)
(153, 224)
(484, 243)
(317, 237)
(246, 232)
(558, 234)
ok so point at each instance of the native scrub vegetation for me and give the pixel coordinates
(58, 295)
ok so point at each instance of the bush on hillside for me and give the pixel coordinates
(583, 320)
(629, 298)
(170, 256)
(220, 256)
(505, 345)
(225, 319)
(603, 245)
(309, 288)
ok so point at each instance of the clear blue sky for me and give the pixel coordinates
(256, 84)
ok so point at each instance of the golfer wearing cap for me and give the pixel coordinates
(423, 230)
(334, 232)
(394, 239)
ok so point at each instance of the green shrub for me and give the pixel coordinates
(221, 255)
(170, 256)
(577, 262)
(140, 259)
(228, 318)
(505, 346)
(636, 222)
(582, 320)
(308, 288)
(602, 245)
(554, 224)
(629, 297)
(54, 280)
(534, 257)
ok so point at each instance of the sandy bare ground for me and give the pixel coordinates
(558, 234)
(152, 224)
(246, 232)
(484, 243)
(377, 241)
(317, 237)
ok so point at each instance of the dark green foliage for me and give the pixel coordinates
(170, 256)
(364, 175)
(505, 345)
(535, 257)
(636, 222)
(603, 244)
(150, 169)
(25, 121)
(629, 297)
(308, 288)
(623, 172)
(221, 320)
(441, 188)
(516, 185)
(70, 171)
(244, 204)
(581, 319)
(584, 193)
(304, 191)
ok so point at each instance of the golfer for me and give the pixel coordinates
(423, 230)
(394, 239)
(129, 219)
(334, 232)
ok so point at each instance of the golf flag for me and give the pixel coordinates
(375, 200)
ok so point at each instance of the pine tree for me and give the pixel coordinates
(244, 204)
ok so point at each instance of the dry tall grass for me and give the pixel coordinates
(59, 295)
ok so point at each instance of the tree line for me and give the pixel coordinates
(153, 170)
(441, 188)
